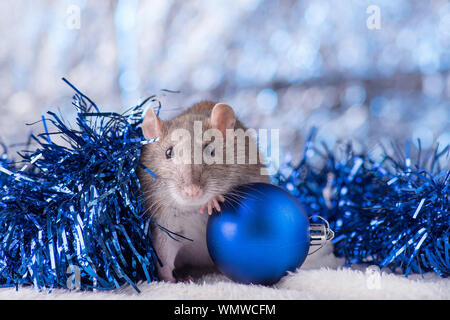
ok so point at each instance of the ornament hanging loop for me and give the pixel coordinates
(320, 233)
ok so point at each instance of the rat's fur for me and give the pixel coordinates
(163, 195)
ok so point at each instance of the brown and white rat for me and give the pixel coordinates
(182, 192)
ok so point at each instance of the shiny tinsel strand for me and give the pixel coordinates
(77, 206)
(392, 213)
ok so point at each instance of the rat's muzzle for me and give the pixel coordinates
(192, 191)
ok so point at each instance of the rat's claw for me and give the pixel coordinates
(210, 207)
(216, 204)
(212, 204)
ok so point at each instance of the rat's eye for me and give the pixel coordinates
(209, 150)
(169, 153)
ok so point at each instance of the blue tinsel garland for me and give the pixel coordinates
(77, 206)
(391, 213)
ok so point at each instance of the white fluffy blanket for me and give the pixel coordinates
(322, 276)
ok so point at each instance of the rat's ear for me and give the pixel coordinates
(152, 126)
(222, 117)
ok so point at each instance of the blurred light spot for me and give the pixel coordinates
(354, 117)
(378, 106)
(311, 98)
(106, 53)
(267, 100)
(444, 26)
(248, 66)
(206, 78)
(433, 85)
(303, 54)
(228, 230)
(443, 140)
(434, 116)
(427, 57)
(425, 135)
(355, 94)
(129, 80)
(127, 53)
(389, 60)
(305, 59)
(268, 68)
(126, 14)
(319, 118)
(249, 4)
(175, 54)
(327, 136)
(20, 103)
(310, 153)
(290, 186)
(280, 40)
(351, 54)
(406, 39)
(316, 13)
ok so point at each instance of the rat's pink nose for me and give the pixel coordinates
(192, 191)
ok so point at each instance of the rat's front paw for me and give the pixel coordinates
(213, 203)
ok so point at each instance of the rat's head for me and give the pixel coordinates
(181, 158)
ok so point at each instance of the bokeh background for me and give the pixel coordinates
(283, 64)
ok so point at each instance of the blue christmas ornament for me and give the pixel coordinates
(259, 235)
